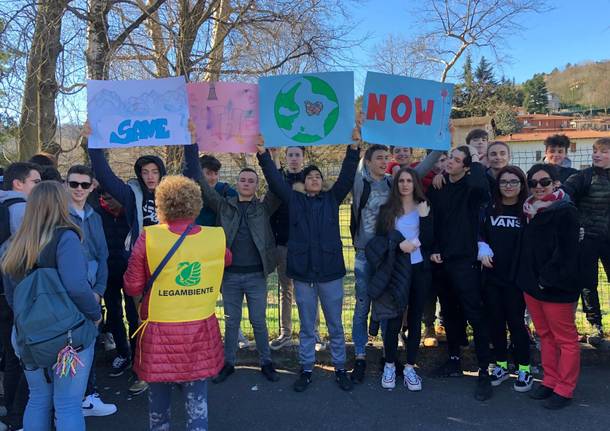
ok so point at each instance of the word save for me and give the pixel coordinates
(401, 109)
(140, 130)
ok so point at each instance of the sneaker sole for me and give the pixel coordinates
(523, 389)
(89, 413)
(388, 386)
(280, 346)
(498, 382)
(413, 388)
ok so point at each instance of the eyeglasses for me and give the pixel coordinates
(544, 182)
(511, 183)
(75, 184)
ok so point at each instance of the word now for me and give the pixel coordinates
(141, 129)
(400, 110)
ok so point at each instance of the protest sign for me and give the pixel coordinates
(406, 112)
(309, 109)
(225, 116)
(138, 113)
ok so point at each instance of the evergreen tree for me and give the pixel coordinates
(535, 95)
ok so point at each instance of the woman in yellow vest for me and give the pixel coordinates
(177, 267)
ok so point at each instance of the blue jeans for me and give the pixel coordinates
(195, 405)
(64, 394)
(254, 287)
(331, 299)
(362, 273)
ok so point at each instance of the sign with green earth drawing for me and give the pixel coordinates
(310, 109)
(189, 274)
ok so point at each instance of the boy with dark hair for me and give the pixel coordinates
(245, 220)
(79, 182)
(44, 159)
(457, 207)
(555, 153)
(590, 191)
(18, 181)
(479, 139)
(210, 167)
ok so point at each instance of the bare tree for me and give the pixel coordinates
(38, 125)
(451, 27)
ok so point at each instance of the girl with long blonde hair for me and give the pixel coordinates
(46, 222)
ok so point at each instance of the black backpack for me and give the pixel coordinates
(355, 219)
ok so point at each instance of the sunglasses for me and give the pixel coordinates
(75, 184)
(511, 183)
(544, 182)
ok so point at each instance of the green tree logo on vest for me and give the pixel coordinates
(306, 109)
(189, 274)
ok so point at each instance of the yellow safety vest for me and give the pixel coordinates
(188, 286)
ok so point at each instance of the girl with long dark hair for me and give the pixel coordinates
(405, 215)
(501, 233)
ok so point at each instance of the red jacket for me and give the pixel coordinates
(172, 352)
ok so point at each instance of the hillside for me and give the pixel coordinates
(585, 84)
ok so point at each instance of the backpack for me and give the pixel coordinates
(46, 318)
(354, 223)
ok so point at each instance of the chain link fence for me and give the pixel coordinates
(329, 159)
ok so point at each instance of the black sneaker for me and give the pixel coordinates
(596, 336)
(343, 381)
(119, 365)
(303, 381)
(556, 402)
(357, 374)
(226, 371)
(541, 393)
(451, 368)
(483, 391)
(269, 372)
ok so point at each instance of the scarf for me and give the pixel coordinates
(531, 206)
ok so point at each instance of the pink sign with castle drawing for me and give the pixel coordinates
(225, 116)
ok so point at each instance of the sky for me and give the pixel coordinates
(573, 31)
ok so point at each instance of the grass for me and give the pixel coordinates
(273, 322)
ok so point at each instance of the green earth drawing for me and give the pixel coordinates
(306, 109)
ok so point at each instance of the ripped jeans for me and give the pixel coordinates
(195, 403)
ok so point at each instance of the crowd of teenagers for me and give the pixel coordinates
(494, 245)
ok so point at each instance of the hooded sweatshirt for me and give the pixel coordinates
(17, 210)
(96, 249)
(134, 196)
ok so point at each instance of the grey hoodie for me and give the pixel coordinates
(16, 211)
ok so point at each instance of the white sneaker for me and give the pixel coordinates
(108, 341)
(320, 346)
(94, 406)
(242, 341)
(412, 380)
(388, 380)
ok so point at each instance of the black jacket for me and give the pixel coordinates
(548, 262)
(315, 250)
(457, 213)
(590, 191)
(279, 219)
(390, 269)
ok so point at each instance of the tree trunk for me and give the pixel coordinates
(37, 125)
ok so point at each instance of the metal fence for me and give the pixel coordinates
(329, 160)
(330, 168)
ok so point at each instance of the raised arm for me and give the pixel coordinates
(345, 181)
(192, 168)
(108, 180)
(211, 198)
(274, 178)
(428, 163)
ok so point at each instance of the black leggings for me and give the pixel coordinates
(505, 305)
(420, 286)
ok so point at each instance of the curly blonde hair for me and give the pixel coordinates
(177, 197)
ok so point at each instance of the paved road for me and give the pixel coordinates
(248, 402)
